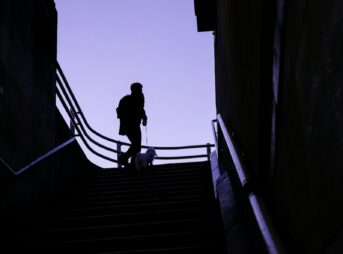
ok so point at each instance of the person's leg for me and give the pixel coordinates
(135, 138)
(123, 159)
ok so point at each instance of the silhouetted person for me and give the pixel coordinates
(131, 113)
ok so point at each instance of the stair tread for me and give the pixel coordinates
(113, 203)
(166, 209)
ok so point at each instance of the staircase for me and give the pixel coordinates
(166, 209)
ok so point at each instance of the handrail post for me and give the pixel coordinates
(119, 152)
(208, 151)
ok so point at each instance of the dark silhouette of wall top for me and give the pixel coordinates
(28, 32)
(205, 13)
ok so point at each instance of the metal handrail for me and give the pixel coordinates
(83, 133)
(37, 160)
(80, 112)
(79, 131)
(70, 103)
(82, 130)
(235, 158)
(78, 119)
(261, 215)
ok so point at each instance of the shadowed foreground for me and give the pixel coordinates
(167, 209)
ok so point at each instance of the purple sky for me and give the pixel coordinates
(105, 45)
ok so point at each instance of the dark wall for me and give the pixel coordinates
(43, 182)
(243, 59)
(279, 88)
(309, 141)
(30, 123)
(28, 32)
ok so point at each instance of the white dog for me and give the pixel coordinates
(143, 160)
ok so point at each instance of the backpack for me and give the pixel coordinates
(123, 107)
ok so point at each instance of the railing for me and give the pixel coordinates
(82, 127)
(12, 173)
(263, 220)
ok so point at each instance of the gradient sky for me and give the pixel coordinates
(105, 45)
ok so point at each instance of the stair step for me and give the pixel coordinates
(179, 167)
(143, 189)
(165, 209)
(152, 177)
(171, 250)
(87, 202)
(109, 195)
(147, 180)
(145, 184)
(122, 208)
(144, 195)
(133, 242)
(119, 230)
(119, 218)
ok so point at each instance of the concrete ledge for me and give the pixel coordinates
(235, 238)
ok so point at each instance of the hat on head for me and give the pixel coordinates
(136, 86)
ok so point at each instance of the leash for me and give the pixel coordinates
(146, 135)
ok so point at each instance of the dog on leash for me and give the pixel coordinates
(144, 160)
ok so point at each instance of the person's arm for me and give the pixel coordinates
(144, 118)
